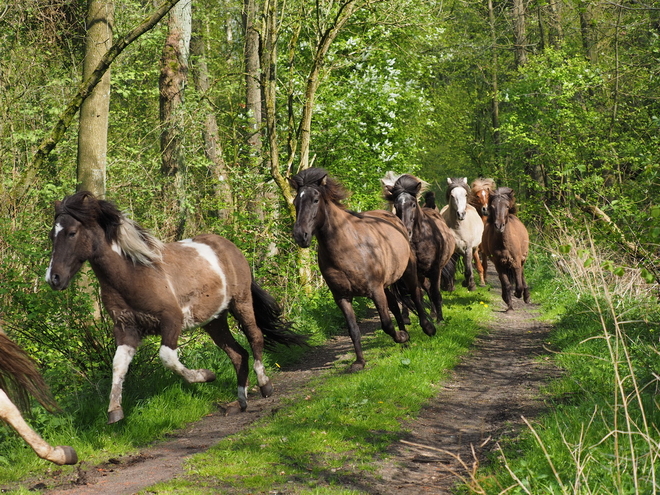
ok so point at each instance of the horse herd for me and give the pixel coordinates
(153, 288)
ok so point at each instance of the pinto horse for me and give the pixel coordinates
(19, 377)
(359, 254)
(429, 235)
(152, 288)
(506, 243)
(480, 191)
(466, 225)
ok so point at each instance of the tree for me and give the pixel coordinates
(94, 111)
(172, 83)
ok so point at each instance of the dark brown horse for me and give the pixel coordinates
(506, 243)
(19, 377)
(429, 235)
(152, 288)
(359, 254)
(480, 191)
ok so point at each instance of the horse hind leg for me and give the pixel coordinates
(393, 304)
(218, 330)
(11, 415)
(480, 263)
(243, 311)
(346, 307)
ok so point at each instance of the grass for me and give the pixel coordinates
(601, 436)
(341, 424)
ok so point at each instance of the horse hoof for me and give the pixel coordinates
(356, 366)
(70, 456)
(234, 408)
(267, 390)
(207, 376)
(429, 329)
(116, 415)
(401, 337)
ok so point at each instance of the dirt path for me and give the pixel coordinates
(484, 399)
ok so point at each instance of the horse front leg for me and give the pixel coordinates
(122, 360)
(507, 289)
(219, 331)
(469, 273)
(412, 283)
(171, 326)
(480, 264)
(390, 302)
(435, 295)
(12, 416)
(346, 307)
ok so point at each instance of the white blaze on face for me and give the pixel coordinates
(460, 199)
(56, 230)
(205, 252)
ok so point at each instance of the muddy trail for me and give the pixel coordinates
(484, 399)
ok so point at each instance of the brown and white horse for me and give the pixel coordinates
(19, 377)
(152, 288)
(480, 191)
(506, 243)
(359, 254)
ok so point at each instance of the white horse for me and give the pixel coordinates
(466, 225)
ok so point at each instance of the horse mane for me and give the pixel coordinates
(330, 189)
(453, 183)
(483, 183)
(19, 377)
(394, 185)
(429, 200)
(134, 241)
(507, 193)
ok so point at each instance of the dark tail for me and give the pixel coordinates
(448, 274)
(269, 319)
(19, 377)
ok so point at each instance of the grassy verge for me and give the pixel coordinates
(601, 436)
(320, 441)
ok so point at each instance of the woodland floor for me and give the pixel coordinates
(481, 402)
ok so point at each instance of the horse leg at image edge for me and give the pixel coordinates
(11, 415)
(346, 307)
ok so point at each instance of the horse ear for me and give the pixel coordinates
(449, 180)
(323, 180)
(464, 179)
(418, 187)
(292, 183)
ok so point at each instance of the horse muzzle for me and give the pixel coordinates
(56, 282)
(302, 237)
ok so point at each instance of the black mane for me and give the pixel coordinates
(330, 189)
(84, 207)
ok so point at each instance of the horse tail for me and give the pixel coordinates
(269, 319)
(448, 273)
(19, 377)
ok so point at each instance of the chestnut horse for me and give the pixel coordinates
(466, 225)
(506, 243)
(480, 191)
(359, 254)
(152, 288)
(429, 235)
(19, 377)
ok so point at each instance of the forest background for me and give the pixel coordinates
(199, 121)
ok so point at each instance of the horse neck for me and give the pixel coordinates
(335, 224)
(110, 266)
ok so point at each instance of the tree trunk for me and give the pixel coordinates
(93, 131)
(588, 30)
(555, 31)
(212, 146)
(519, 33)
(173, 78)
(495, 104)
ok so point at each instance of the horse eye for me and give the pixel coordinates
(316, 200)
(72, 234)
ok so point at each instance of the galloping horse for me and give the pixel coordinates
(429, 235)
(465, 223)
(152, 288)
(506, 243)
(359, 254)
(480, 191)
(18, 377)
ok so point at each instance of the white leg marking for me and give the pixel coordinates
(123, 357)
(242, 396)
(261, 373)
(170, 359)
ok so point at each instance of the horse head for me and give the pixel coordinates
(457, 195)
(402, 192)
(501, 204)
(313, 189)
